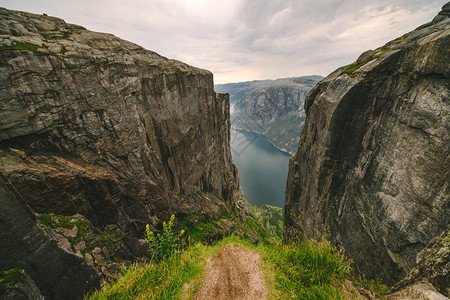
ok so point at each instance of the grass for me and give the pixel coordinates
(263, 223)
(305, 270)
(8, 279)
(175, 68)
(309, 270)
(22, 46)
(375, 286)
(353, 67)
(69, 66)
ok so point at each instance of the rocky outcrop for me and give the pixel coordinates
(25, 245)
(275, 109)
(419, 290)
(96, 130)
(372, 165)
(432, 265)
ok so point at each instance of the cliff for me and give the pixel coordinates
(372, 166)
(275, 109)
(99, 137)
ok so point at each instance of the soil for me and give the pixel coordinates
(233, 274)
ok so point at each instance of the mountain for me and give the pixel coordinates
(273, 108)
(99, 137)
(238, 90)
(372, 169)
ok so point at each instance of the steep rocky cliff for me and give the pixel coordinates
(372, 166)
(99, 137)
(275, 109)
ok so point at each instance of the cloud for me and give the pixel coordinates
(248, 39)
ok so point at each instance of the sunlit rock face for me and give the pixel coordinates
(99, 128)
(372, 166)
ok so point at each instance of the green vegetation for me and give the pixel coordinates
(46, 220)
(261, 224)
(8, 279)
(375, 286)
(353, 67)
(165, 244)
(305, 270)
(69, 66)
(22, 46)
(309, 270)
(177, 69)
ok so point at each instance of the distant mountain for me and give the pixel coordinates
(271, 107)
(239, 90)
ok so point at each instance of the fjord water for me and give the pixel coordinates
(262, 168)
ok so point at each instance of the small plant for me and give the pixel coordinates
(165, 244)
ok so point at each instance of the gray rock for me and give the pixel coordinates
(365, 56)
(417, 291)
(97, 126)
(372, 167)
(71, 233)
(57, 273)
(432, 265)
(89, 259)
(20, 286)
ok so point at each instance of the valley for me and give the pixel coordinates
(125, 174)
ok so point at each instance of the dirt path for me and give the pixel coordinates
(233, 274)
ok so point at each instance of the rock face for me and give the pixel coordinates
(275, 109)
(372, 167)
(432, 265)
(98, 127)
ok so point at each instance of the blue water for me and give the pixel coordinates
(262, 168)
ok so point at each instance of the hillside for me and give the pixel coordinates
(272, 107)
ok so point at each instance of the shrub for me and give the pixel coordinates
(166, 244)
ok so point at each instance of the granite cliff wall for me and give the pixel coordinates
(372, 167)
(99, 137)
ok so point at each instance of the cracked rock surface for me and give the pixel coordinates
(372, 166)
(101, 128)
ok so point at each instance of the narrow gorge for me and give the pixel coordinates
(102, 142)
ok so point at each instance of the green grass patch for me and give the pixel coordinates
(177, 69)
(353, 67)
(309, 270)
(162, 280)
(83, 229)
(69, 66)
(47, 221)
(64, 222)
(8, 279)
(21, 46)
(304, 270)
(375, 286)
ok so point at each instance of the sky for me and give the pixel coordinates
(241, 40)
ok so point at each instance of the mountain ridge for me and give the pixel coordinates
(273, 108)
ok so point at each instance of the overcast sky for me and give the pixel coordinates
(241, 40)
